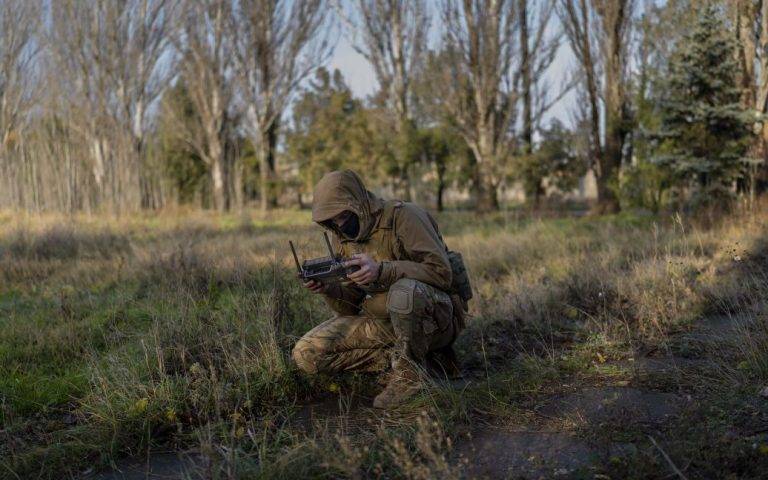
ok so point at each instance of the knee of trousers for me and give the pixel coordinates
(305, 355)
(419, 311)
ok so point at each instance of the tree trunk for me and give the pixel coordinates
(614, 96)
(440, 187)
(405, 181)
(147, 193)
(485, 154)
(399, 95)
(235, 177)
(220, 197)
(538, 193)
(762, 92)
(746, 13)
(487, 199)
(594, 113)
(98, 169)
(608, 202)
(267, 146)
(525, 73)
(490, 199)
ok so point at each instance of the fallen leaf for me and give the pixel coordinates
(600, 357)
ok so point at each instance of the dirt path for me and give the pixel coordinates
(558, 449)
(557, 446)
(157, 466)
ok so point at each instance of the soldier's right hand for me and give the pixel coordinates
(315, 286)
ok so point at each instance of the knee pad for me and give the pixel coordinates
(417, 309)
(400, 297)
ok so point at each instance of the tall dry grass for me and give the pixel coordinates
(176, 329)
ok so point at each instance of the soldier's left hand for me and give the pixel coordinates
(369, 268)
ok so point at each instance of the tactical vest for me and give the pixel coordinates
(383, 245)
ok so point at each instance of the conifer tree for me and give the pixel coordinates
(704, 128)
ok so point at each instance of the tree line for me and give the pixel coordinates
(123, 105)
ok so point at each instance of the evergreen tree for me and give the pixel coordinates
(329, 130)
(704, 128)
(554, 163)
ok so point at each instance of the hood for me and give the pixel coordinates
(344, 190)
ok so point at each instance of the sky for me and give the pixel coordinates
(360, 77)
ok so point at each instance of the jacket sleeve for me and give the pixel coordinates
(427, 260)
(343, 299)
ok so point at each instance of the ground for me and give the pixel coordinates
(630, 346)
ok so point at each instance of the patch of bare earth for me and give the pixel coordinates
(558, 446)
(497, 453)
(556, 449)
(157, 466)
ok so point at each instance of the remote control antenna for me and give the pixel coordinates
(295, 258)
(328, 244)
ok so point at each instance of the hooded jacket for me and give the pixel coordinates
(407, 242)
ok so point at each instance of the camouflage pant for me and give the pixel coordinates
(420, 320)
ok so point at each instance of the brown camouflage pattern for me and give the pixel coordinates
(407, 311)
(420, 320)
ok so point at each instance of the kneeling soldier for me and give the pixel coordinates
(402, 307)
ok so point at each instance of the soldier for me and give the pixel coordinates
(400, 309)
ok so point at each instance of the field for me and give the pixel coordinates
(630, 346)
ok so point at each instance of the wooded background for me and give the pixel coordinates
(124, 105)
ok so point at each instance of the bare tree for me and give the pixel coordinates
(19, 47)
(205, 43)
(481, 46)
(746, 16)
(762, 90)
(538, 48)
(539, 43)
(616, 20)
(576, 19)
(392, 36)
(278, 43)
(752, 31)
(115, 52)
(598, 33)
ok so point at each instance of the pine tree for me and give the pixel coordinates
(704, 128)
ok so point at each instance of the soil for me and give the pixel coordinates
(556, 448)
(157, 466)
(494, 453)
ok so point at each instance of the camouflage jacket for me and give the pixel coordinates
(402, 236)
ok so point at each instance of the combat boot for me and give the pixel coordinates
(404, 383)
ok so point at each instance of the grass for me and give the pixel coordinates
(122, 335)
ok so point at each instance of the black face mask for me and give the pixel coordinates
(351, 227)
